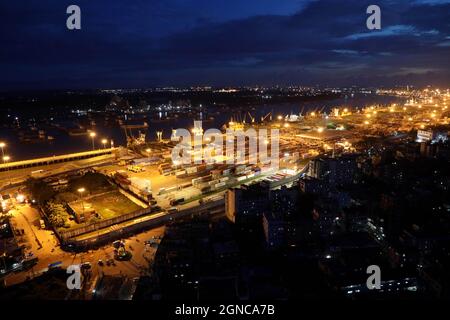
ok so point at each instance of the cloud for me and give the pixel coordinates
(444, 44)
(390, 31)
(182, 42)
(343, 51)
(432, 2)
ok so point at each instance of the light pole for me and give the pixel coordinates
(92, 135)
(104, 141)
(6, 159)
(81, 191)
(2, 146)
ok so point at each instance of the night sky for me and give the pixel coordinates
(146, 43)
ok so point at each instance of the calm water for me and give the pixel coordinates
(63, 143)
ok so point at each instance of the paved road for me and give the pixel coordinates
(44, 245)
(11, 177)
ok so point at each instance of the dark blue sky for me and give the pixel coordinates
(144, 43)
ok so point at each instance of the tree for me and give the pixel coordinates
(40, 190)
(91, 181)
(57, 214)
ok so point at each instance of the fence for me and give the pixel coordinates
(157, 220)
(67, 234)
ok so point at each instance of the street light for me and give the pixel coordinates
(81, 191)
(6, 158)
(92, 135)
(2, 146)
(104, 141)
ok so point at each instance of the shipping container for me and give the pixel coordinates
(191, 170)
(216, 172)
(180, 173)
(213, 182)
(219, 185)
(205, 189)
(140, 161)
(186, 185)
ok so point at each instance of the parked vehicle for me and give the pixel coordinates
(117, 244)
(135, 169)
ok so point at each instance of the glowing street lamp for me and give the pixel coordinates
(104, 141)
(92, 135)
(6, 158)
(2, 146)
(81, 191)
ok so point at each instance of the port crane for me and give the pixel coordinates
(267, 115)
(251, 117)
(133, 140)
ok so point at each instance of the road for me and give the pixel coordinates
(44, 245)
(12, 177)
